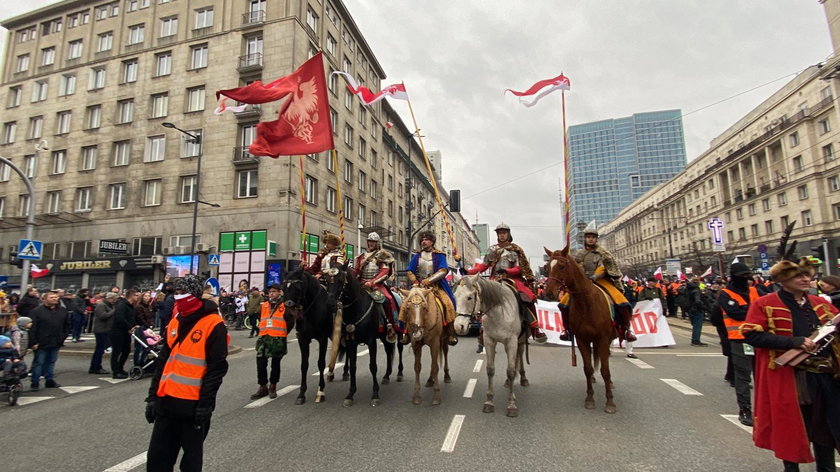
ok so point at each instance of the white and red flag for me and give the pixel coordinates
(541, 89)
(367, 97)
(36, 272)
(708, 272)
(389, 125)
(303, 125)
(658, 273)
(681, 276)
(625, 279)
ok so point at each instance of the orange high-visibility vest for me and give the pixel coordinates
(187, 363)
(273, 324)
(733, 327)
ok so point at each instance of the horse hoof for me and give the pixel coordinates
(430, 384)
(300, 401)
(507, 384)
(399, 378)
(609, 409)
(320, 398)
(415, 400)
(330, 377)
(524, 383)
(447, 379)
(385, 380)
(375, 402)
(488, 408)
(347, 402)
(589, 404)
(512, 412)
(345, 377)
(436, 402)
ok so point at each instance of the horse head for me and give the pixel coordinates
(467, 295)
(417, 311)
(295, 289)
(558, 272)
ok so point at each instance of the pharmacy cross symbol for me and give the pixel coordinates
(716, 225)
(243, 238)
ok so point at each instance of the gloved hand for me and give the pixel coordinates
(202, 415)
(150, 412)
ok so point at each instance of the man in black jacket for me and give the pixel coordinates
(28, 302)
(120, 334)
(181, 400)
(50, 326)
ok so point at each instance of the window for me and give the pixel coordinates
(125, 111)
(824, 126)
(187, 193)
(373, 156)
(374, 219)
(97, 78)
(147, 246)
(391, 182)
(391, 208)
(27, 34)
(742, 234)
(330, 163)
(9, 132)
(30, 165)
(348, 100)
(117, 196)
(189, 146)
(23, 205)
(155, 148)
(751, 209)
(346, 65)
(348, 172)
(362, 182)
(785, 221)
(168, 26)
(828, 152)
(67, 85)
(198, 56)
(834, 183)
(63, 122)
(373, 188)
(765, 204)
(330, 200)
(362, 149)
(399, 190)
(39, 90)
(332, 82)
(311, 190)
(151, 192)
(84, 198)
(58, 162)
(122, 153)
(203, 18)
(195, 99)
(806, 218)
(15, 94)
(802, 190)
(390, 157)
(48, 56)
(754, 230)
(797, 164)
(136, 34)
(5, 172)
(331, 44)
(311, 19)
(363, 115)
(836, 209)
(793, 139)
(89, 156)
(782, 199)
(348, 208)
(348, 135)
(160, 105)
(362, 213)
(74, 50)
(254, 49)
(54, 202)
(129, 71)
(334, 121)
(22, 63)
(246, 183)
(93, 117)
(163, 63)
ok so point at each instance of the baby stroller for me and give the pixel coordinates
(11, 384)
(151, 343)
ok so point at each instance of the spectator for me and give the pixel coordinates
(76, 309)
(652, 292)
(830, 285)
(50, 327)
(241, 301)
(144, 319)
(120, 338)
(694, 307)
(103, 318)
(271, 345)
(5, 306)
(716, 319)
(165, 308)
(85, 300)
(28, 302)
(252, 310)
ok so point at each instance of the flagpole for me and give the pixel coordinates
(302, 212)
(566, 221)
(340, 202)
(434, 182)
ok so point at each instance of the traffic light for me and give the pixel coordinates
(820, 254)
(455, 201)
(15, 261)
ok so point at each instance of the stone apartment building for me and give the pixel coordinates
(86, 89)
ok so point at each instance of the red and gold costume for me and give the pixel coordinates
(374, 268)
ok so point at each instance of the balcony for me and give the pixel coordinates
(250, 112)
(241, 156)
(253, 18)
(199, 32)
(250, 63)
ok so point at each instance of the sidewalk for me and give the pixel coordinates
(678, 323)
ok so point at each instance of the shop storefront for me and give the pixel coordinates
(99, 275)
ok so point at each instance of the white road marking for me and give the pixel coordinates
(639, 363)
(129, 464)
(264, 400)
(734, 420)
(482, 353)
(292, 340)
(681, 387)
(363, 353)
(112, 380)
(23, 401)
(288, 389)
(337, 366)
(452, 434)
(249, 349)
(468, 392)
(72, 390)
(699, 355)
(477, 367)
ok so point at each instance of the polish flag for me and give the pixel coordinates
(681, 276)
(36, 272)
(389, 125)
(658, 274)
(369, 98)
(708, 272)
(544, 87)
(625, 279)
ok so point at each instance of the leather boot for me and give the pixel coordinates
(272, 390)
(565, 334)
(539, 336)
(745, 417)
(261, 392)
(626, 314)
(451, 339)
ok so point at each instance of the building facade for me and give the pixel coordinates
(87, 86)
(613, 162)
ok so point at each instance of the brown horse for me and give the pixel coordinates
(424, 322)
(589, 319)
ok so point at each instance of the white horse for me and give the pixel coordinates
(499, 307)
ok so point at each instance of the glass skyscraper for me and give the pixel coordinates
(614, 162)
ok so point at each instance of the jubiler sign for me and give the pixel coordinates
(111, 246)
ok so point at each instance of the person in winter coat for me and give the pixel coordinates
(28, 302)
(124, 322)
(103, 319)
(165, 308)
(830, 285)
(144, 318)
(50, 327)
(691, 302)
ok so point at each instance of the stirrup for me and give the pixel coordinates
(565, 336)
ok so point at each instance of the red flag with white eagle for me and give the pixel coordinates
(658, 273)
(303, 125)
(541, 89)
(367, 97)
(38, 273)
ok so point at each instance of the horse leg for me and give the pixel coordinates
(446, 377)
(604, 355)
(389, 361)
(322, 364)
(490, 350)
(345, 375)
(586, 353)
(304, 369)
(418, 351)
(511, 349)
(351, 361)
(400, 364)
(374, 401)
(520, 361)
(435, 352)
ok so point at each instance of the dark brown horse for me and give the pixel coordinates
(589, 319)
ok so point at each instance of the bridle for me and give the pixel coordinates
(562, 282)
(292, 303)
(476, 299)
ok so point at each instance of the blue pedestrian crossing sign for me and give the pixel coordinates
(30, 249)
(213, 259)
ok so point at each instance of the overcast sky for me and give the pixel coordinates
(622, 56)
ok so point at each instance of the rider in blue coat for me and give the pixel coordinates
(429, 268)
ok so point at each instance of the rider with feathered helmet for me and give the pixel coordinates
(428, 268)
(373, 268)
(331, 255)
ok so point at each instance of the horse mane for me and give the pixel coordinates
(492, 293)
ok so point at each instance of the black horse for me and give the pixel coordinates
(362, 323)
(314, 312)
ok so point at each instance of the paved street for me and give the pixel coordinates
(661, 424)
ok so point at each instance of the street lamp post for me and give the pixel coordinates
(30, 218)
(197, 140)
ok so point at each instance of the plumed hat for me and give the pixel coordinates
(786, 270)
(333, 239)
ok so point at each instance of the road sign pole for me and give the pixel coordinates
(30, 219)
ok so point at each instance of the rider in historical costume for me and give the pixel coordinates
(507, 261)
(599, 265)
(429, 268)
(331, 255)
(374, 267)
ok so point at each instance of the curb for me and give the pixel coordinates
(232, 349)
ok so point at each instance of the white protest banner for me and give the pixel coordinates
(550, 321)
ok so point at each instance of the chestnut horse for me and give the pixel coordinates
(423, 320)
(589, 319)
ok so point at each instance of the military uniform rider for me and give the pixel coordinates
(331, 255)
(508, 261)
(428, 268)
(599, 265)
(374, 267)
